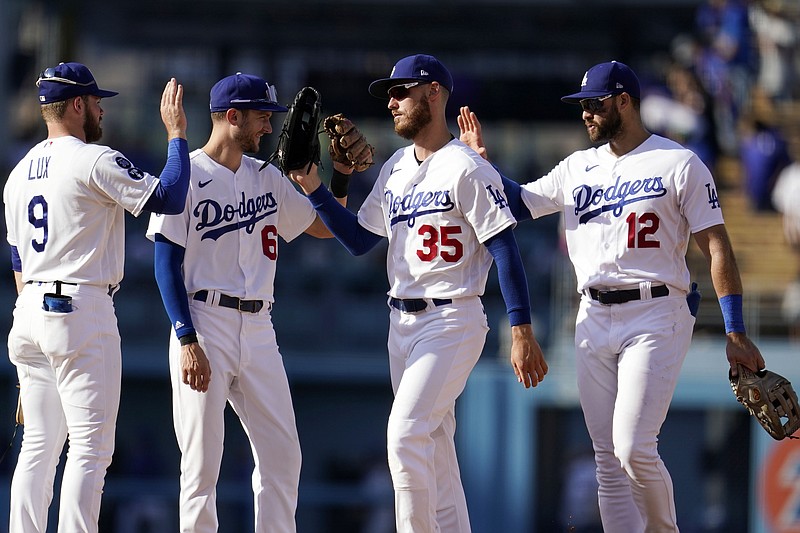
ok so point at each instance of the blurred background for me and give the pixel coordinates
(720, 76)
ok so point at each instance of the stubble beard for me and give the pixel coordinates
(247, 142)
(414, 122)
(610, 129)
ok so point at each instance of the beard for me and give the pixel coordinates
(91, 127)
(247, 142)
(611, 127)
(416, 119)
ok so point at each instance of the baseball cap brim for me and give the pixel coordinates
(380, 88)
(257, 106)
(272, 107)
(577, 97)
(102, 93)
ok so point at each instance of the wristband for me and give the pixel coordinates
(189, 338)
(731, 306)
(339, 184)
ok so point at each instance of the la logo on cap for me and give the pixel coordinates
(585, 79)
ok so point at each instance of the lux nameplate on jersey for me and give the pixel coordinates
(41, 168)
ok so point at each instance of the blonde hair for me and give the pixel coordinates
(54, 112)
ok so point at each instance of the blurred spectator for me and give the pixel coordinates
(763, 153)
(683, 113)
(786, 199)
(728, 61)
(776, 38)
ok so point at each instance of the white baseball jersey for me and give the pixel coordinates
(628, 219)
(65, 204)
(231, 225)
(436, 216)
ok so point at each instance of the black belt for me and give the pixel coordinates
(57, 283)
(415, 305)
(232, 302)
(111, 288)
(628, 295)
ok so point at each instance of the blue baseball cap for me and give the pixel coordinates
(67, 80)
(420, 67)
(244, 91)
(604, 79)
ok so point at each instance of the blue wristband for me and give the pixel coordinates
(731, 306)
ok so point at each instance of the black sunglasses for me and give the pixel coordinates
(49, 74)
(594, 105)
(399, 92)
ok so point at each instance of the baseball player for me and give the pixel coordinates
(64, 206)
(443, 210)
(215, 267)
(629, 207)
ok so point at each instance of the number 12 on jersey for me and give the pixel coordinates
(641, 230)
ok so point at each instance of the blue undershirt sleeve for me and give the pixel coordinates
(16, 261)
(169, 197)
(168, 262)
(511, 275)
(343, 223)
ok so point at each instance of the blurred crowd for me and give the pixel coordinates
(730, 91)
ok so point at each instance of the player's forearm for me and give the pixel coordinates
(725, 277)
(168, 258)
(343, 223)
(716, 246)
(511, 275)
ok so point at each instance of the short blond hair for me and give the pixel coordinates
(54, 112)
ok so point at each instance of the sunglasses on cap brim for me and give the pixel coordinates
(49, 74)
(594, 105)
(401, 91)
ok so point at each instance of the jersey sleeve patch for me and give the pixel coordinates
(136, 173)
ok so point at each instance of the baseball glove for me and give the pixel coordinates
(298, 144)
(348, 145)
(770, 398)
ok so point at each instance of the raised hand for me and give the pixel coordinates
(172, 113)
(470, 131)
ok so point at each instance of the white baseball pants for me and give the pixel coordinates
(247, 371)
(629, 357)
(431, 355)
(69, 369)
